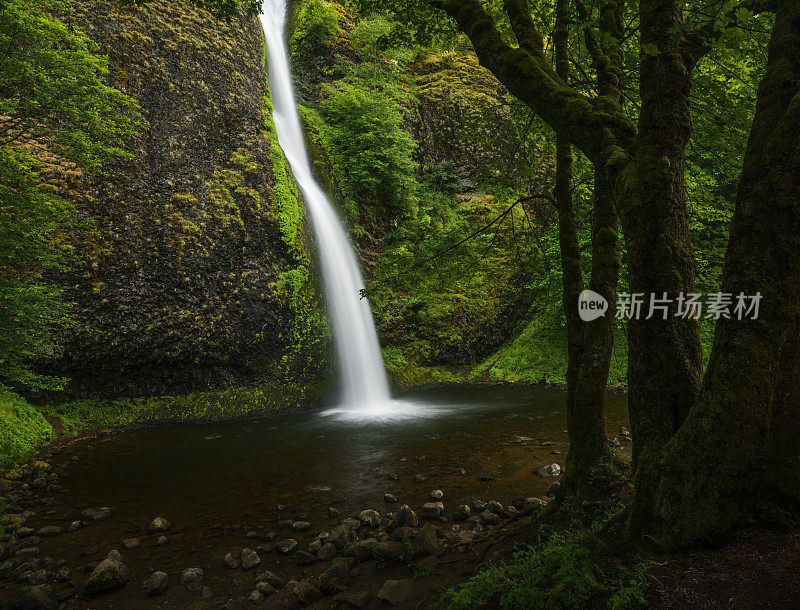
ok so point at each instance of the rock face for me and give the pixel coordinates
(109, 574)
(181, 281)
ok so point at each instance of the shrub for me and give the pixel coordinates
(373, 151)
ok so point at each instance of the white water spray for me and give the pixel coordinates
(365, 387)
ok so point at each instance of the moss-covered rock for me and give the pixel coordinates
(193, 266)
(22, 429)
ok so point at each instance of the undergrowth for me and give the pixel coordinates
(561, 571)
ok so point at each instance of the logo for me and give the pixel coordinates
(591, 305)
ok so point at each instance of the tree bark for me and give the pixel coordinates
(716, 471)
(664, 359)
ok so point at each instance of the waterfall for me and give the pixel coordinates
(363, 378)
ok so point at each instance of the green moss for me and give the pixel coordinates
(279, 394)
(22, 429)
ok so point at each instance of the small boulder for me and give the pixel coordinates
(461, 512)
(49, 531)
(389, 551)
(255, 597)
(426, 543)
(286, 546)
(405, 516)
(306, 593)
(131, 543)
(159, 524)
(301, 526)
(370, 518)
(265, 588)
(495, 507)
(389, 498)
(549, 470)
(431, 510)
(396, 592)
(339, 536)
(109, 574)
(273, 579)
(327, 551)
(420, 478)
(190, 575)
(250, 558)
(96, 514)
(437, 494)
(157, 583)
(353, 599)
(231, 562)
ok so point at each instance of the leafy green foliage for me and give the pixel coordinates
(318, 24)
(53, 107)
(22, 429)
(559, 572)
(372, 150)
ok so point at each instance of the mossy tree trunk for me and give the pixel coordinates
(665, 359)
(590, 343)
(717, 471)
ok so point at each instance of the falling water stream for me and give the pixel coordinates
(363, 378)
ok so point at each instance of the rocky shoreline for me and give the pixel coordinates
(332, 557)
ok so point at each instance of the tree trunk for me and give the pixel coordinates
(588, 445)
(716, 471)
(664, 360)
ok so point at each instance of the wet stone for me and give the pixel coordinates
(157, 583)
(286, 546)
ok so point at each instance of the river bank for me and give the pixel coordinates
(247, 484)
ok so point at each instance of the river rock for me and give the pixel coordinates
(353, 599)
(75, 526)
(159, 524)
(109, 574)
(420, 478)
(286, 546)
(327, 551)
(250, 558)
(361, 550)
(333, 513)
(49, 531)
(490, 518)
(404, 516)
(389, 551)
(265, 588)
(370, 518)
(306, 593)
(431, 510)
(437, 494)
(403, 534)
(495, 507)
(157, 583)
(273, 579)
(461, 512)
(96, 514)
(62, 575)
(161, 540)
(389, 498)
(30, 598)
(477, 506)
(190, 575)
(115, 555)
(396, 591)
(340, 536)
(255, 597)
(426, 543)
(549, 470)
(231, 562)
(301, 526)
(131, 543)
